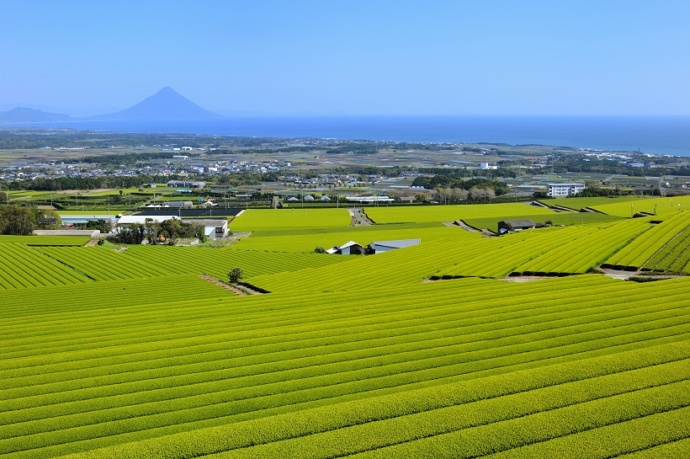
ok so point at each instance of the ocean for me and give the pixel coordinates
(664, 135)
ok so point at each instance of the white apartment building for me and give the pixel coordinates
(558, 190)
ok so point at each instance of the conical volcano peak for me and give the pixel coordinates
(166, 104)
(167, 90)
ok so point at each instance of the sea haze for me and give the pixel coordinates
(668, 135)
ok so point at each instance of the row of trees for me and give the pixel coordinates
(79, 183)
(22, 220)
(447, 195)
(454, 181)
(166, 232)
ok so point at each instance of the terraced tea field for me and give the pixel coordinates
(454, 212)
(45, 240)
(293, 218)
(655, 206)
(297, 240)
(25, 268)
(663, 248)
(132, 354)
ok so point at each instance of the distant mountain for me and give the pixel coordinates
(22, 115)
(164, 105)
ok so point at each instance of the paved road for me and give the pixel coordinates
(358, 218)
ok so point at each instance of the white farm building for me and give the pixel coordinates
(558, 190)
(213, 228)
(349, 248)
(143, 219)
(369, 199)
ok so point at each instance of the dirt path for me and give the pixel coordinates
(466, 227)
(244, 291)
(220, 284)
(625, 275)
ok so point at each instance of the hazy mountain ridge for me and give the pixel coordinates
(165, 105)
(30, 115)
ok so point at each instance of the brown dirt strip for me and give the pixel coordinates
(237, 291)
(220, 284)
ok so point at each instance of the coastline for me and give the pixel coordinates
(658, 135)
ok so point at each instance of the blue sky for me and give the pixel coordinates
(356, 57)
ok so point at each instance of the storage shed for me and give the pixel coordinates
(213, 228)
(387, 246)
(505, 226)
(350, 248)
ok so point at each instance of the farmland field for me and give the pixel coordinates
(454, 212)
(256, 220)
(45, 240)
(425, 351)
(663, 247)
(555, 218)
(297, 240)
(656, 206)
(25, 268)
(577, 203)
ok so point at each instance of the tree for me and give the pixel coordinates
(131, 234)
(477, 194)
(421, 197)
(103, 225)
(482, 194)
(460, 194)
(17, 220)
(47, 219)
(235, 275)
(443, 194)
(490, 194)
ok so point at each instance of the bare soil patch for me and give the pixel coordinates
(244, 291)
(220, 284)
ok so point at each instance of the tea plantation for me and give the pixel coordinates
(423, 351)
